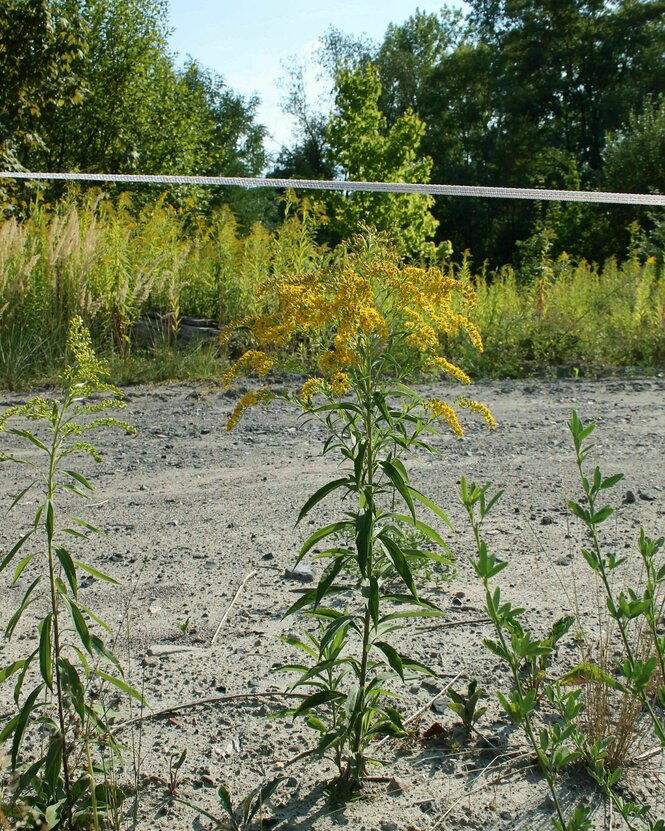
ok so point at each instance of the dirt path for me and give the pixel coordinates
(191, 511)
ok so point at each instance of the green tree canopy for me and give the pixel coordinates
(365, 148)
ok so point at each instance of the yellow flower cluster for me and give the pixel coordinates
(439, 409)
(251, 361)
(309, 389)
(249, 399)
(450, 369)
(339, 384)
(480, 408)
(338, 311)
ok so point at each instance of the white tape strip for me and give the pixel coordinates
(652, 199)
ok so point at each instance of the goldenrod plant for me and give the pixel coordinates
(368, 322)
(60, 778)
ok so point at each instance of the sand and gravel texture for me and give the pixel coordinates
(191, 511)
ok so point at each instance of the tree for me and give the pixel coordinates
(41, 50)
(364, 147)
(106, 96)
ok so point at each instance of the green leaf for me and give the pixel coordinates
(224, 798)
(398, 482)
(100, 575)
(256, 799)
(320, 494)
(72, 683)
(372, 589)
(20, 495)
(579, 511)
(393, 657)
(85, 525)
(611, 481)
(328, 577)
(400, 563)
(21, 566)
(364, 523)
(68, 567)
(26, 434)
(53, 764)
(18, 686)
(121, 685)
(15, 549)
(336, 630)
(81, 626)
(321, 533)
(94, 617)
(45, 654)
(104, 652)
(359, 461)
(317, 700)
(431, 505)
(27, 601)
(310, 598)
(9, 728)
(50, 519)
(79, 478)
(8, 671)
(602, 515)
(424, 528)
(22, 722)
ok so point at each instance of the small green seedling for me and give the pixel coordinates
(466, 706)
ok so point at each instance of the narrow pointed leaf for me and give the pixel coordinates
(320, 494)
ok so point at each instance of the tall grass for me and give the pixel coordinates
(113, 265)
(576, 316)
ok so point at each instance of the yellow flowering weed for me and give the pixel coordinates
(358, 306)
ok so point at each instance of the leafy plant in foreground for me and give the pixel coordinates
(64, 786)
(636, 680)
(643, 676)
(372, 322)
(515, 645)
(636, 677)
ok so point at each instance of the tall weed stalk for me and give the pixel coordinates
(370, 322)
(65, 786)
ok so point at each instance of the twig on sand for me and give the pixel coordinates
(450, 623)
(649, 754)
(481, 787)
(202, 702)
(231, 605)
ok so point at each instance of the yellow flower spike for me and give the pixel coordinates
(439, 409)
(339, 384)
(252, 360)
(478, 407)
(309, 389)
(248, 400)
(450, 369)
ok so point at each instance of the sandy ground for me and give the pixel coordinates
(191, 511)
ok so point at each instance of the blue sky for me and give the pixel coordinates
(246, 41)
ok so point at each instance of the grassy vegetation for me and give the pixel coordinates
(113, 267)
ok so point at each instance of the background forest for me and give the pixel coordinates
(518, 93)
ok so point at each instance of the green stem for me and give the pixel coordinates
(623, 631)
(366, 403)
(50, 534)
(93, 795)
(514, 669)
